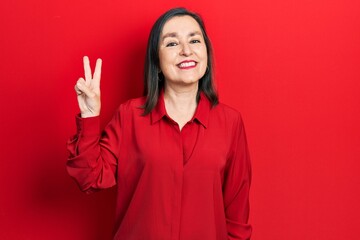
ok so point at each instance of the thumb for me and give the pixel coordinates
(82, 88)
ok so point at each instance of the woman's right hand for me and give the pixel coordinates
(88, 90)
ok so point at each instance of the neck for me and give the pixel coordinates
(181, 98)
(180, 103)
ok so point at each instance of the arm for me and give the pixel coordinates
(236, 187)
(92, 155)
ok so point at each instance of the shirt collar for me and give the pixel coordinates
(201, 113)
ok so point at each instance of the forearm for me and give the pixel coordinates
(91, 161)
(237, 187)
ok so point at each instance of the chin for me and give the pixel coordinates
(184, 81)
(187, 83)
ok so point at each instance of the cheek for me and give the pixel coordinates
(204, 64)
(166, 60)
(163, 65)
(202, 54)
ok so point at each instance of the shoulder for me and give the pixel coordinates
(132, 108)
(132, 105)
(229, 113)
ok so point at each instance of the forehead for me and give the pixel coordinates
(181, 24)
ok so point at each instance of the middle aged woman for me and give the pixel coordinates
(178, 156)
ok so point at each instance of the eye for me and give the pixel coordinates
(195, 41)
(171, 44)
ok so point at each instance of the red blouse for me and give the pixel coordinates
(191, 184)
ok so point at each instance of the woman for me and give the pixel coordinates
(178, 157)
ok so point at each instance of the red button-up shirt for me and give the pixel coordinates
(191, 184)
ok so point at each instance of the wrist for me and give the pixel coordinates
(89, 114)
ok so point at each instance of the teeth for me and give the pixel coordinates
(187, 64)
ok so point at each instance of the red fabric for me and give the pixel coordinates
(172, 185)
(189, 134)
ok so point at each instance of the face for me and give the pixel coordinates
(182, 51)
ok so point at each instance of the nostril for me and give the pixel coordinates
(186, 51)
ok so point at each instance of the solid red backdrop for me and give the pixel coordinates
(291, 68)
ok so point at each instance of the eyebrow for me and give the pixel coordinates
(174, 34)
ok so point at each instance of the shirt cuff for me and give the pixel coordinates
(87, 126)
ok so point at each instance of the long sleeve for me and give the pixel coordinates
(93, 154)
(236, 187)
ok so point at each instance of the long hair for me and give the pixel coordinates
(154, 80)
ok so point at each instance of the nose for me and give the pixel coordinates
(186, 50)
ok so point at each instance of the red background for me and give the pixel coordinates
(291, 68)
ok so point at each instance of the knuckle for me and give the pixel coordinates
(78, 84)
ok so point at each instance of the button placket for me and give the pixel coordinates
(178, 183)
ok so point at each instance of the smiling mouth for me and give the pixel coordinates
(187, 65)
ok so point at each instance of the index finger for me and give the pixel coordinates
(87, 69)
